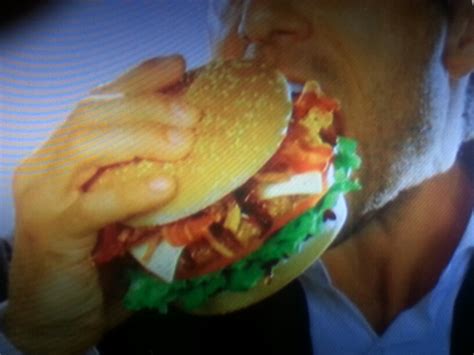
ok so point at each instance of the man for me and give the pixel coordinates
(402, 71)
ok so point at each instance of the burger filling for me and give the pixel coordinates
(293, 181)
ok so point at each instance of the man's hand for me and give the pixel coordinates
(56, 300)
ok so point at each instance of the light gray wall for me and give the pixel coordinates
(50, 61)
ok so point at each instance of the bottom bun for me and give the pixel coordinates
(283, 273)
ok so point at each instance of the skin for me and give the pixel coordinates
(400, 70)
(59, 302)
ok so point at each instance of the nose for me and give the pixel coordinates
(264, 21)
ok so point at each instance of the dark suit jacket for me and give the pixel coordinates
(278, 325)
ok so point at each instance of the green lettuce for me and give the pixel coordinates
(146, 291)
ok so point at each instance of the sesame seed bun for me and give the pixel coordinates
(246, 111)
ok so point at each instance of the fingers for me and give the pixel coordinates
(122, 193)
(152, 126)
(144, 124)
(91, 148)
(117, 130)
(126, 143)
(151, 75)
(153, 108)
(123, 145)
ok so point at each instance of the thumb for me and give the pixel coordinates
(122, 193)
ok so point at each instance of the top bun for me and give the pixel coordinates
(246, 111)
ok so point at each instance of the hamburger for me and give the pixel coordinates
(260, 195)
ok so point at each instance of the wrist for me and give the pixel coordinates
(50, 339)
(55, 305)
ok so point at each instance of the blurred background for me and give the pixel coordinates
(53, 53)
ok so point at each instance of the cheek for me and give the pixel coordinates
(405, 136)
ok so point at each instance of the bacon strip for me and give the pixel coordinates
(209, 246)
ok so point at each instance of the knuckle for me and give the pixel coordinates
(194, 115)
(177, 61)
(183, 114)
(151, 62)
(179, 143)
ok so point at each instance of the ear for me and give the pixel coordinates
(459, 51)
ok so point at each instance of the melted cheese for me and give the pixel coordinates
(162, 262)
(310, 183)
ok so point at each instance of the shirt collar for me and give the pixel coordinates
(432, 310)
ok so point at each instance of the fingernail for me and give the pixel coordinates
(174, 136)
(160, 184)
(184, 115)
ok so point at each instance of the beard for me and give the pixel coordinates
(414, 144)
